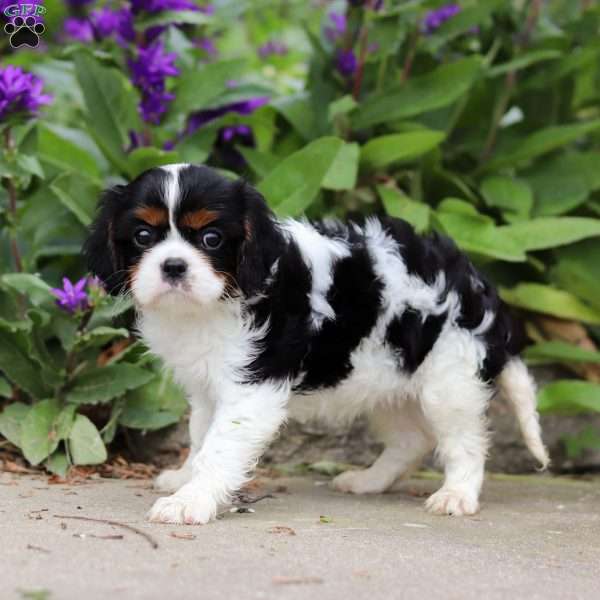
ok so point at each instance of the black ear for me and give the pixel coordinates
(100, 250)
(262, 243)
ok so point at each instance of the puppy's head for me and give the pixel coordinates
(182, 234)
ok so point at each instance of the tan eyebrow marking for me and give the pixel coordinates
(153, 215)
(198, 218)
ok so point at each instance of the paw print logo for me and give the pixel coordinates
(24, 32)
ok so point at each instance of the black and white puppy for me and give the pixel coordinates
(260, 318)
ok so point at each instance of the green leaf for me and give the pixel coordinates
(293, 185)
(401, 206)
(155, 405)
(18, 367)
(262, 163)
(198, 87)
(77, 194)
(298, 111)
(58, 463)
(551, 232)
(420, 94)
(588, 439)
(105, 383)
(168, 17)
(522, 61)
(11, 421)
(111, 106)
(5, 388)
(142, 159)
(344, 169)
(476, 233)
(551, 301)
(85, 444)
(65, 154)
(388, 149)
(569, 396)
(542, 142)
(30, 165)
(39, 437)
(99, 336)
(561, 352)
(34, 287)
(510, 195)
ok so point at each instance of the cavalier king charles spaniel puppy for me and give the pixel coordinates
(261, 318)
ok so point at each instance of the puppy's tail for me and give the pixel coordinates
(517, 386)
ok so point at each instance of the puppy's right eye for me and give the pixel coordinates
(143, 237)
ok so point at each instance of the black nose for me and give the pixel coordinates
(174, 268)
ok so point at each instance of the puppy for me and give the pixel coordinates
(260, 319)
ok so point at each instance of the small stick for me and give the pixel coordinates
(145, 535)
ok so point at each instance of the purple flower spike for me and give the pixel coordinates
(20, 92)
(346, 62)
(272, 48)
(72, 297)
(78, 29)
(107, 22)
(155, 6)
(436, 18)
(339, 23)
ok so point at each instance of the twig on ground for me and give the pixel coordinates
(145, 535)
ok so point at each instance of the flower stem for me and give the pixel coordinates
(363, 40)
(410, 56)
(12, 205)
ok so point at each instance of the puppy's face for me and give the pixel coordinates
(180, 234)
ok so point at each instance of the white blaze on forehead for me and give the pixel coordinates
(171, 190)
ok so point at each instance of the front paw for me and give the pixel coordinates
(450, 502)
(359, 482)
(172, 479)
(186, 507)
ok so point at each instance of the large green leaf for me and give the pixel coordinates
(388, 149)
(11, 421)
(65, 154)
(569, 396)
(34, 287)
(555, 351)
(111, 106)
(420, 94)
(142, 159)
(293, 185)
(18, 367)
(551, 301)
(197, 87)
(401, 206)
(551, 232)
(105, 383)
(5, 388)
(344, 169)
(78, 193)
(542, 142)
(523, 61)
(85, 444)
(39, 435)
(512, 196)
(475, 233)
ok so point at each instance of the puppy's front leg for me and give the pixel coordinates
(245, 421)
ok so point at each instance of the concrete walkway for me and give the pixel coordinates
(536, 538)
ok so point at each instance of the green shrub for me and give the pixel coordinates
(480, 121)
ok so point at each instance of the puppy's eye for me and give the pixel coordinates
(211, 239)
(143, 237)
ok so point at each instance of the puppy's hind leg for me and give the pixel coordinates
(406, 442)
(171, 480)
(454, 404)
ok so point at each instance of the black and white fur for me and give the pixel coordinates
(313, 320)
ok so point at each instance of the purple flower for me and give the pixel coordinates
(339, 26)
(244, 107)
(20, 92)
(436, 18)
(149, 71)
(78, 29)
(346, 62)
(155, 6)
(107, 22)
(72, 297)
(271, 48)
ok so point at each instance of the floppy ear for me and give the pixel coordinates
(262, 243)
(100, 250)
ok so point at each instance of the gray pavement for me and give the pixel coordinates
(536, 537)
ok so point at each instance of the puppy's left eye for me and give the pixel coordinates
(211, 239)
